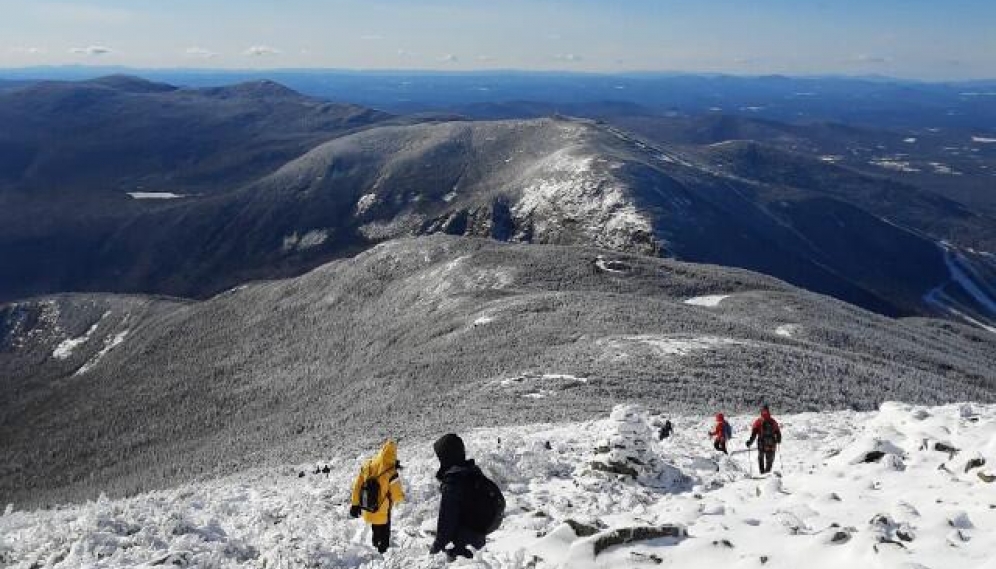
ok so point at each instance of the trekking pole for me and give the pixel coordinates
(781, 464)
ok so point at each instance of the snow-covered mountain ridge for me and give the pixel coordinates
(905, 486)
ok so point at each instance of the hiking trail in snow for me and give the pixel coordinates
(904, 486)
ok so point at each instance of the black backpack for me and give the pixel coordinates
(484, 504)
(768, 439)
(370, 495)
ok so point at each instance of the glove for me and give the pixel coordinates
(354, 511)
(748, 444)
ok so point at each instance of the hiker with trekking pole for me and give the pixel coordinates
(768, 435)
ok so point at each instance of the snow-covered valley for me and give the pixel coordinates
(905, 486)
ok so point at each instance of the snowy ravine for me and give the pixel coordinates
(901, 487)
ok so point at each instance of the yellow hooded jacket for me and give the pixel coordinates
(383, 466)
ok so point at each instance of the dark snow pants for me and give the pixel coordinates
(464, 538)
(382, 535)
(765, 459)
(720, 445)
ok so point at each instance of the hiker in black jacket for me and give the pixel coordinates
(456, 475)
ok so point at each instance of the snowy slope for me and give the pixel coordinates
(916, 506)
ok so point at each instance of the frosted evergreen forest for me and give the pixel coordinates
(415, 337)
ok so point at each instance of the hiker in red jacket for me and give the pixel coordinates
(721, 433)
(768, 435)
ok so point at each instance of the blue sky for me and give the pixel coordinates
(910, 38)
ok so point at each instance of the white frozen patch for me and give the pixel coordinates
(787, 330)
(109, 344)
(667, 346)
(538, 386)
(893, 164)
(711, 300)
(483, 321)
(155, 195)
(565, 186)
(545, 377)
(365, 202)
(65, 348)
(313, 238)
(609, 265)
(831, 158)
(450, 196)
(910, 140)
(983, 140)
(944, 169)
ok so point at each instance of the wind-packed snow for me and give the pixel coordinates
(662, 345)
(894, 164)
(944, 169)
(902, 487)
(787, 330)
(365, 202)
(575, 187)
(313, 238)
(109, 344)
(66, 348)
(711, 300)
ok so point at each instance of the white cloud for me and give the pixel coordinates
(449, 58)
(24, 50)
(371, 37)
(485, 58)
(200, 52)
(875, 59)
(261, 50)
(570, 57)
(91, 50)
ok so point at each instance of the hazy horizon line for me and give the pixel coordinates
(483, 72)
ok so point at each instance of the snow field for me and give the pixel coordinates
(901, 487)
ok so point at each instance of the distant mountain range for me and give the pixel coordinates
(869, 100)
(124, 185)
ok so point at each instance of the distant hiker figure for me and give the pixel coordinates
(376, 489)
(666, 430)
(721, 433)
(768, 435)
(471, 505)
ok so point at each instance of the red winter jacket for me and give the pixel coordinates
(758, 428)
(719, 431)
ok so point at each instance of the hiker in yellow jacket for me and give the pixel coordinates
(376, 489)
